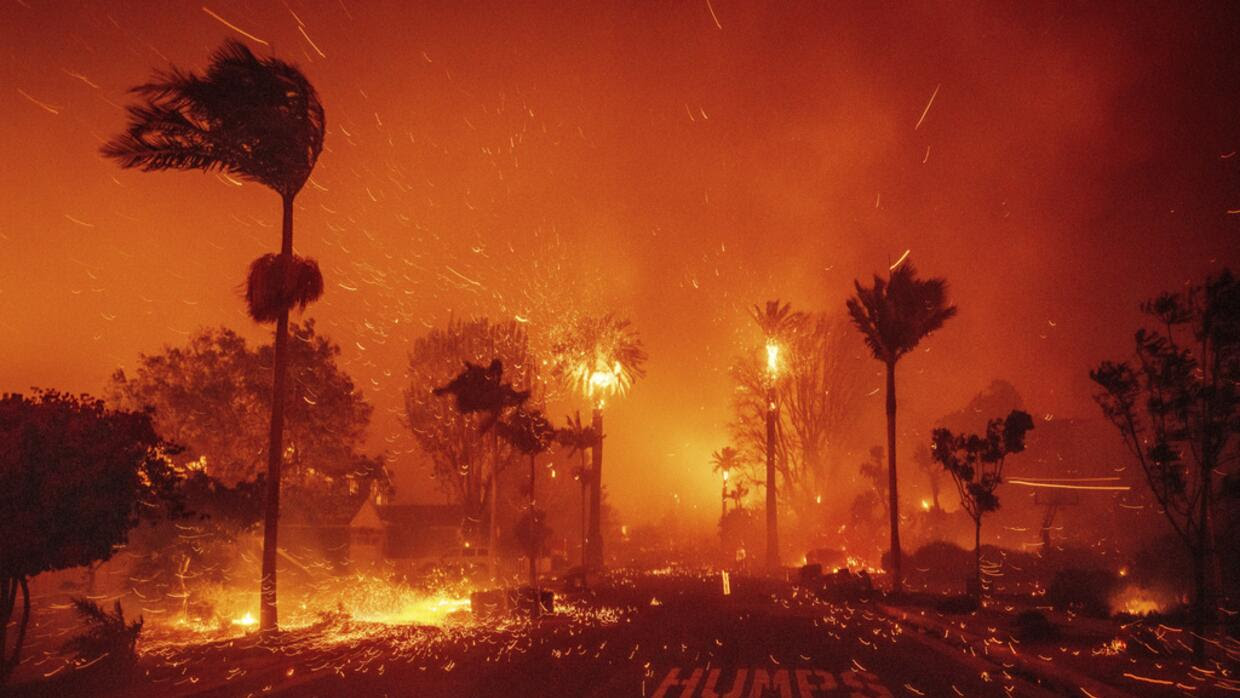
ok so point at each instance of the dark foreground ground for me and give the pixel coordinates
(649, 634)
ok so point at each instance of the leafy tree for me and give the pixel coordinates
(260, 119)
(454, 440)
(818, 397)
(976, 465)
(74, 479)
(1177, 405)
(213, 394)
(893, 316)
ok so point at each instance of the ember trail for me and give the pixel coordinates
(703, 349)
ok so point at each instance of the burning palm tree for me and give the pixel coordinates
(259, 119)
(776, 321)
(600, 357)
(893, 316)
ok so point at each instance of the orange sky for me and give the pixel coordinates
(525, 157)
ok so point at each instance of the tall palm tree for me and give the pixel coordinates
(893, 316)
(261, 120)
(600, 356)
(776, 321)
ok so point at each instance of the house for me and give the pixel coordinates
(395, 533)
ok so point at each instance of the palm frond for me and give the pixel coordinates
(278, 283)
(257, 118)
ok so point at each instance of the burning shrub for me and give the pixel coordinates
(109, 642)
(1086, 591)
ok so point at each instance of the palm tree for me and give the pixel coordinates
(893, 316)
(577, 437)
(725, 461)
(530, 433)
(600, 357)
(776, 321)
(261, 120)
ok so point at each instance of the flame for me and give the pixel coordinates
(772, 357)
(1139, 601)
(925, 505)
(245, 621)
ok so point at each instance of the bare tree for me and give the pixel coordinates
(819, 398)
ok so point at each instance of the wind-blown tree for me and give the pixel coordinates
(75, 478)
(261, 120)
(818, 394)
(578, 438)
(976, 465)
(482, 391)
(598, 357)
(893, 316)
(1177, 406)
(530, 433)
(452, 440)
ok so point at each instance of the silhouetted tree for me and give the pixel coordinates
(451, 439)
(213, 395)
(577, 437)
(598, 356)
(818, 396)
(75, 477)
(530, 433)
(777, 322)
(1177, 406)
(479, 390)
(976, 465)
(893, 316)
(259, 119)
(873, 471)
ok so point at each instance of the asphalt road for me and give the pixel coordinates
(676, 636)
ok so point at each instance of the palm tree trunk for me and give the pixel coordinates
(268, 617)
(897, 582)
(594, 545)
(772, 520)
